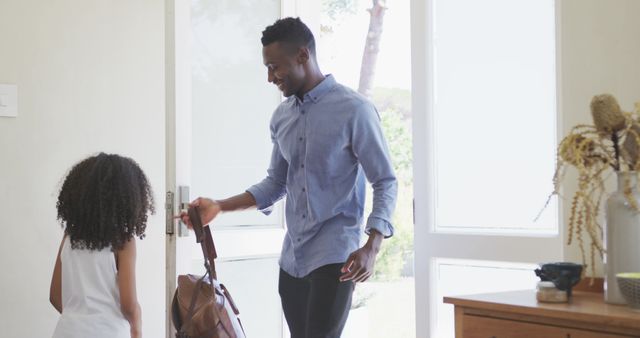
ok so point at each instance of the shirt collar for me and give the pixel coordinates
(320, 89)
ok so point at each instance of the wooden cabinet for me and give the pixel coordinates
(517, 314)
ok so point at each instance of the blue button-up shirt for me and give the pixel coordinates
(323, 147)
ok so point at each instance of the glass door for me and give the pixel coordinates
(221, 146)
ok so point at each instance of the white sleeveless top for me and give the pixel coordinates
(90, 295)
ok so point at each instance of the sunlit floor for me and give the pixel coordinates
(387, 310)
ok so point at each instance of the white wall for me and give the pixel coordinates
(600, 53)
(90, 78)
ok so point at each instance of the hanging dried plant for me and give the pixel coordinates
(611, 143)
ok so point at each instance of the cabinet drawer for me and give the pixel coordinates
(485, 327)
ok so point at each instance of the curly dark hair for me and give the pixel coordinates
(104, 202)
(290, 31)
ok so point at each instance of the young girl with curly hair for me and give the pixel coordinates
(103, 205)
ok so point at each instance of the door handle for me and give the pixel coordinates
(183, 203)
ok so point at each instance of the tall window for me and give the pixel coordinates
(491, 137)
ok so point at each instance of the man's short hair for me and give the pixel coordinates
(290, 31)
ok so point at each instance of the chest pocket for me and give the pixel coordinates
(329, 150)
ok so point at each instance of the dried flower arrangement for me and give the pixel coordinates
(610, 143)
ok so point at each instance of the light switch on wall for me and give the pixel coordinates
(8, 100)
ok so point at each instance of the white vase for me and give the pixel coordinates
(621, 236)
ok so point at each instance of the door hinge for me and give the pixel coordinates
(168, 206)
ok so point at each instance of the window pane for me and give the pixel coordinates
(228, 90)
(494, 114)
(465, 277)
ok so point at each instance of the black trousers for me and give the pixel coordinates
(317, 305)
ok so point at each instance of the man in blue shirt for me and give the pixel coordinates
(327, 140)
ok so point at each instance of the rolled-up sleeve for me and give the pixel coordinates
(372, 152)
(273, 187)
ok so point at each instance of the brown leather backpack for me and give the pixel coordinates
(202, 307)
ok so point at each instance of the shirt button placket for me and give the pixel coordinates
(303, 150)
(303, 153)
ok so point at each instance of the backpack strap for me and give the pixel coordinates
(204, 237)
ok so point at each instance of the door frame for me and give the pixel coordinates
(177, 124)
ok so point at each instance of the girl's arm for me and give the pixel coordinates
(126, 262)
(55, 291)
